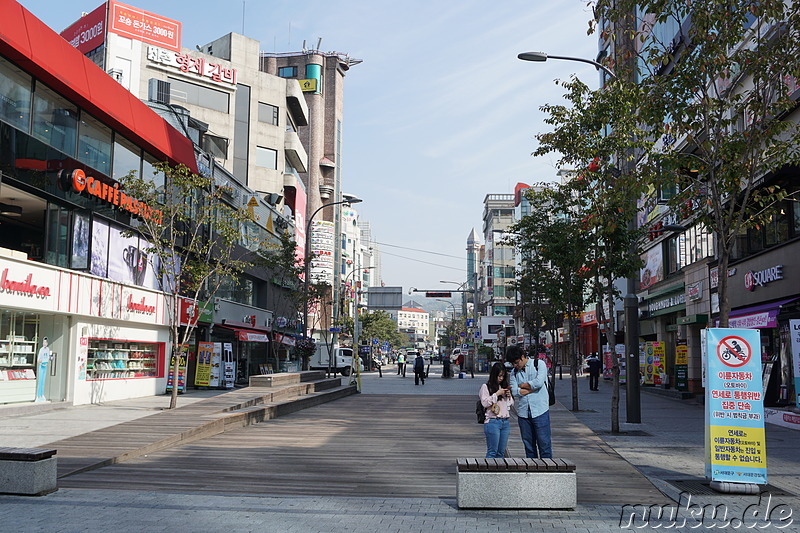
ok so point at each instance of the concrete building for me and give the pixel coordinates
(498, 266)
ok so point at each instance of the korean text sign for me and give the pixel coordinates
(735, 439)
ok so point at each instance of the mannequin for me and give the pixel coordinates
(42, 360)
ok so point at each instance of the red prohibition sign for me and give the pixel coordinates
(734, 351)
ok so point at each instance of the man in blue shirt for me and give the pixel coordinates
(528, 385)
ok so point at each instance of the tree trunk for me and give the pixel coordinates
(610, 339)
(722, 289)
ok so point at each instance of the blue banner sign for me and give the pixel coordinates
(735, 440)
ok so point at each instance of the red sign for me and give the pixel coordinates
(734, 351)
(79, 182)
(25, 287)
(189, 312)
(140, 306)
(88, 32)
(140, 25)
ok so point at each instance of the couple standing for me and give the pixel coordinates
(526, 387)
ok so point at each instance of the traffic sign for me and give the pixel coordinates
(335, 330)
(374, 341)
(438, 294)
(465, 345)
(463, 334)
(734, 351)
(470, 322)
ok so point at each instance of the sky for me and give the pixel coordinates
(439, 114)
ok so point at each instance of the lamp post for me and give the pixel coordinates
(306, 258)
(633, 406)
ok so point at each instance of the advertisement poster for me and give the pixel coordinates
(623, 366)
(230, 365)
(608, 363)
(682, 367)
(735, 441)
(659, 362)
(647, 366)
(181, 369)
(794, 333)
(204, 352)
(216, 365)
(83, 354)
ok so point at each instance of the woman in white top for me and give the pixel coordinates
(496, 399)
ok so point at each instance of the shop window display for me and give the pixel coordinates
(115, 359)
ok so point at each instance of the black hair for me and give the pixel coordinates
(514, 353)
(493, 373)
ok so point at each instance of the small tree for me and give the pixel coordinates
(196, 239)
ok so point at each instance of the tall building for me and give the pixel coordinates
(498, 216)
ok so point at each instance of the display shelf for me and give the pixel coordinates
(17, 353)
(113, 359)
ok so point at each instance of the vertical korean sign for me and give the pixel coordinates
(182, 361)
(735, 440)
(202, 377)
(794, 333)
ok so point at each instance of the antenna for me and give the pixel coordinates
(319, 43)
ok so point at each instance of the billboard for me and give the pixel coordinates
(140, 25)
(88, 32)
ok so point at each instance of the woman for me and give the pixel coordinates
(496, 399)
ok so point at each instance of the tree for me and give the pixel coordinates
(196, 239)
(719, 94)
(379, 325)
(554, 250)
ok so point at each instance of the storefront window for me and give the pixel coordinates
(58, 236)
(55, 120)
(127, 158)
(15, 96)
(236, 290)
(80, 241)
(94, 144)
(115, 359)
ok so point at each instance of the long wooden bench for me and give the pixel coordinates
(513, 483)
(27, 471)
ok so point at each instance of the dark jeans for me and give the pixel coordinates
(419, 375)
(535, 434)
(401, 368)
(594, 381)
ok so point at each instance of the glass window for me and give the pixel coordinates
(287, 72)
(127, 158)
(94, 144)
(55, 120)
(191, 93)
(58, 237)
(266, 157)
(236, 290)
(215, 145)
(268, 113)
(290, 123)
(15, 96)
(149, 171)
(80, 241)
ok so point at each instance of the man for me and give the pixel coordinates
(419, 369)
(594, 364)
(528, 386)
(401, 364)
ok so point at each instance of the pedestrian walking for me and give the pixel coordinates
(496, 399)
(445, 366)
(401, 364)
(594, 364)
(528, 387)
(419, 369)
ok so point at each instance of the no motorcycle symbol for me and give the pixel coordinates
(734, 351)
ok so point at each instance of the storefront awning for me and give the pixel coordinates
(247, 335)
(759, 316)
(774, 306)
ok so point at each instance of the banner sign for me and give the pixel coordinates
(682, 367)
(205, 351)
(140, 25)
(735, 441)
(794, 333)
(183, 354)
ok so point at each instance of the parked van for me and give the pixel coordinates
(342, 359)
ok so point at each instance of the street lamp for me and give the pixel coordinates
(349, 200)
(633, 407)
(541, 57)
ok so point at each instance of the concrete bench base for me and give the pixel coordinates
(28, 471)
(516, 484)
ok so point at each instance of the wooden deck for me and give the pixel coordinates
(362, 445)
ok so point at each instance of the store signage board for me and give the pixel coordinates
(205, 351)
(140, 25)
(88, 32)
(735, 440)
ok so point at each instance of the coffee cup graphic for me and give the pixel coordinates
(137, 263)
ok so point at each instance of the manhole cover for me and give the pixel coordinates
(701, 487)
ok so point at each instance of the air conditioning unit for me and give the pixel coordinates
(158, 91)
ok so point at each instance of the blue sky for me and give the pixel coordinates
(440, 112)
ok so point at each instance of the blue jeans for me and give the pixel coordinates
(496, 431)
(535, 433)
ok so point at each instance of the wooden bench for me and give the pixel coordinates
(28, 471)
(513, 483)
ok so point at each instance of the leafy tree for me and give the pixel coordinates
(379, 325)
(196, 238)
(721, 100)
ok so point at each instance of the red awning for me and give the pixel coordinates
(250, 336)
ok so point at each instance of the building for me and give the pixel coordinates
(72, 294)
(498, 216)
(415, 323)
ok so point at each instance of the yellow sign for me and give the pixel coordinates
(309, 85)
(205, 350)
(681, 354)
(738, 446)
(253, 202)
